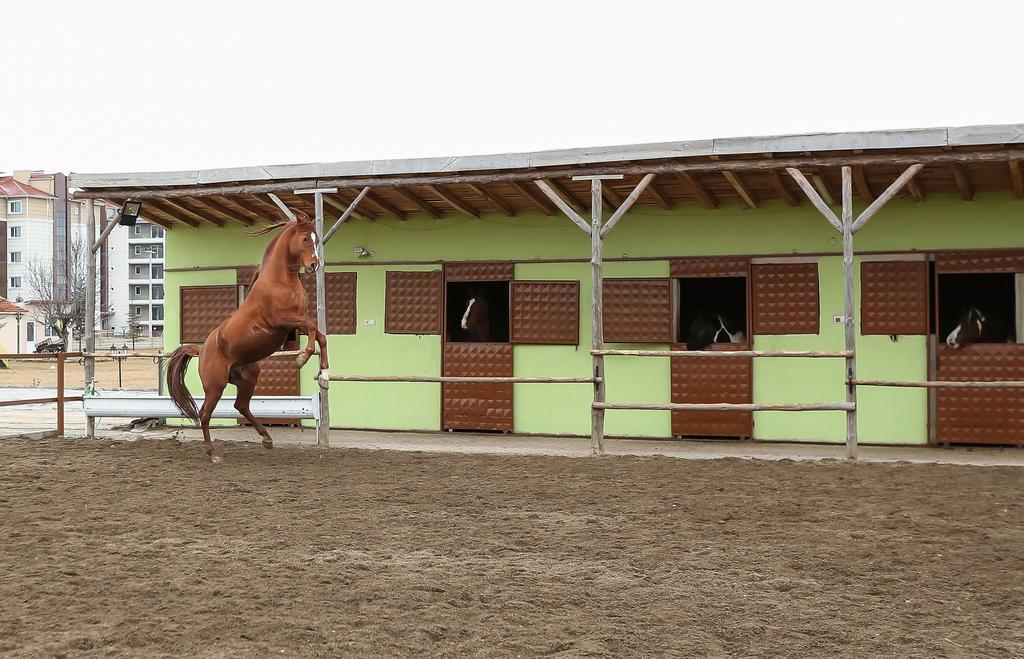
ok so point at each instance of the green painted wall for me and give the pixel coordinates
(887, 415)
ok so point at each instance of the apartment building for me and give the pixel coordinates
(38, 223)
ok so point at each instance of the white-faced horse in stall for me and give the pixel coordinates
(476, 318)
(977, 326)
(708, 327)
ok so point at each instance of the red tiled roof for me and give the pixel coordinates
(11, 188)
(6, 306)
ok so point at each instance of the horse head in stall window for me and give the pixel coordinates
(977, 326)
(476, 318)
(710, 327)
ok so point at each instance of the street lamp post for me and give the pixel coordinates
(17, 321)
(119, 355)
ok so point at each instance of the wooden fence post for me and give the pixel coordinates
(597, 318)
(850, 329)
(60, 394)
(90, 309)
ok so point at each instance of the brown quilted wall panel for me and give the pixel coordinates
(479, 271)
(980, 416)
(546, 312)
(719, 266)
(894, 297)
(638, 310)
(477, 406)
(244, 273)
(712, 380)
(785, 298)
(203, 308)
(339, 300)
(987, 261)
(412, 302)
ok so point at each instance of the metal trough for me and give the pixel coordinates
(263, 407)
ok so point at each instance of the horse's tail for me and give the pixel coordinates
(176, 367)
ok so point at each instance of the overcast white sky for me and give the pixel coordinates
(180, 84)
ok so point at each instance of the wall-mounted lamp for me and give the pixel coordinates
(362, 252)
(129, 213)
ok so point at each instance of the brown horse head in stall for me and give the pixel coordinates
(476, 319)
(274, 307)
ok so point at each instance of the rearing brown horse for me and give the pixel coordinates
(274, 307)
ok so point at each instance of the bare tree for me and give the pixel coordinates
(61, 315)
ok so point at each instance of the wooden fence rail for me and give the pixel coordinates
(724, 353)
(459, 379)
(943, 384)
(735, 407)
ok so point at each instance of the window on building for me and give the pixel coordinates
(158, 312)
(138, 229)
(15, 282)
(138, 311)
(158, 272)
(138, 269)
(78, 210)
(158, 292)
(15, 207)
(158, 232)
(15, 257)
(138, 290)
(15, 232)
(30, 331)
(138, 250)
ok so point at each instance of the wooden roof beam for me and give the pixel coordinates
(158, 206)
(659, 196)
(816, 198)
(255, 209)
(613, 198)
(179, 207)
(822, 187)
(702, 194)
(566, 196)
(960, 176)
(152, 218)
(454, 201)
(916, 190)
(1016, 180)
(339, 203)
(780, 189)
(534, 199)
(412, 198)
(492, 197)
(861, 181)
(741, 189)
(563, 205)
(384, 206)
(212, 204)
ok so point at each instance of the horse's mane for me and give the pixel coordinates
(262, 231)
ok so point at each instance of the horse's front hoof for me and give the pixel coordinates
(324, 379)
(216, 459)
(268, 442)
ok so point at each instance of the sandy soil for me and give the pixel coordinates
(136, 373)
(146, 548)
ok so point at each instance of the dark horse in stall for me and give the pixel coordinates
(978, 326)
(274, 307)
(709, 327)
(476, 319)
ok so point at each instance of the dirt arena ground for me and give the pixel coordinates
(146, 548)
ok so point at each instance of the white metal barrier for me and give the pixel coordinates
(263, 407)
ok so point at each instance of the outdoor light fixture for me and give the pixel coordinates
(129, 213)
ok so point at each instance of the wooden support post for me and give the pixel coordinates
(90, 307)
(848, 325)
(323, 428)
(884, 198)
(597, 318)
(284, 208)
(815, 198)
(345, 215)
(60, 394)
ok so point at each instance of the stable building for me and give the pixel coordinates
(749, 232)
